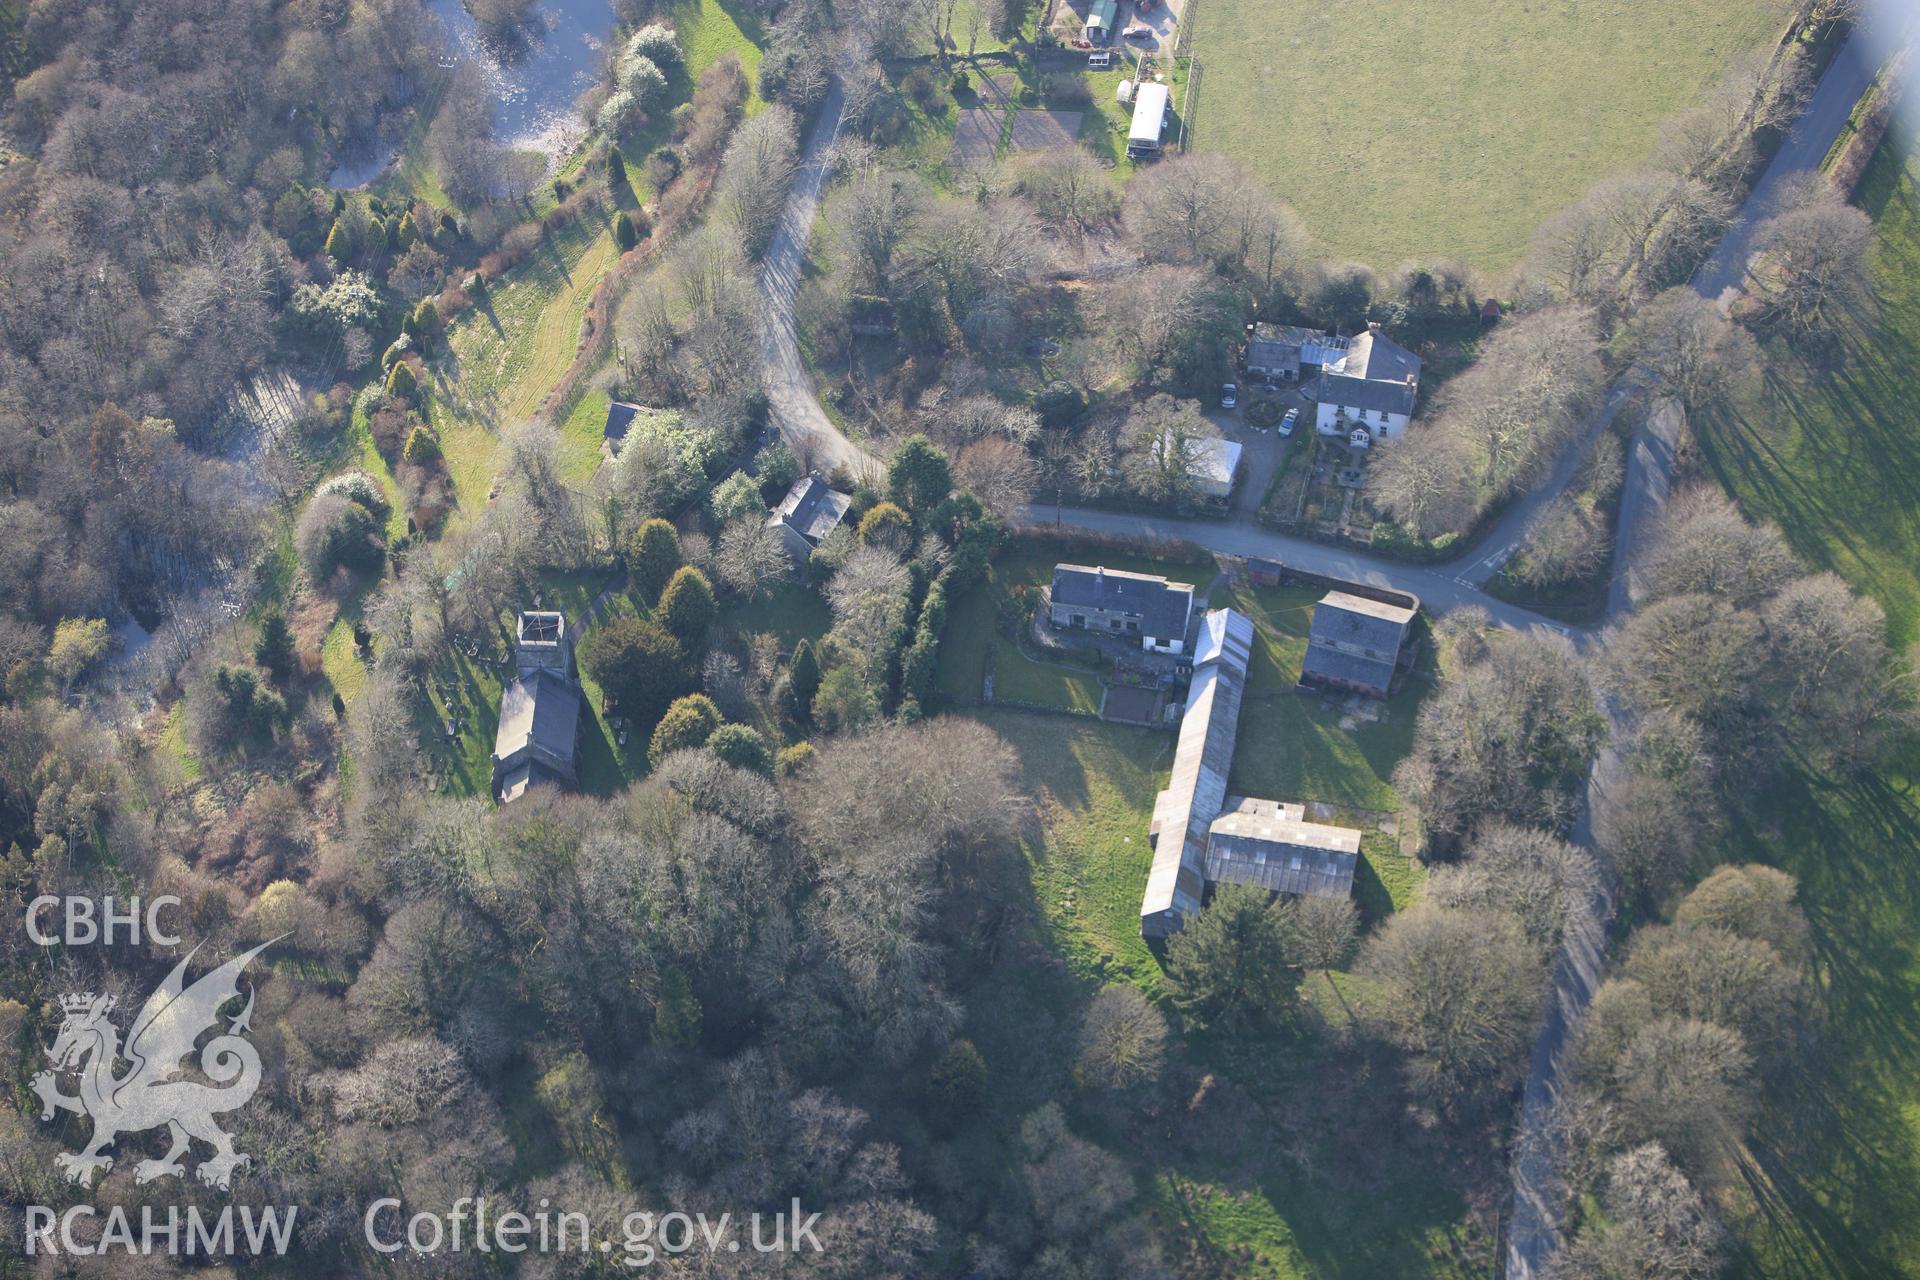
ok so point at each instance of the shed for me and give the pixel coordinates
(1100, 16)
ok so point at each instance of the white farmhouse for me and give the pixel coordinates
(1373, 384)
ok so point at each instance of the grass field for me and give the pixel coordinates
(1835, 462)
(1443, 128)
(1831, 457)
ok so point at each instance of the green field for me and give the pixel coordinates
(1452, 128)
(1291, 746)
(1834, 460)
(503, 355)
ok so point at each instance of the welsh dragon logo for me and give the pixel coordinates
(150, 1094)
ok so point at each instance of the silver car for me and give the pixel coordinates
(1229, 396)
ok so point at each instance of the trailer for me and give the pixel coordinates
(1151, 106)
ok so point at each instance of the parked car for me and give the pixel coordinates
(1100, 59)
(1287, 423)
(1229, 396)
(1138, 32)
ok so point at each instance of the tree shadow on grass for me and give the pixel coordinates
(1836, 1172)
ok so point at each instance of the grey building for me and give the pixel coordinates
(1183, 814)
(620, 416)
(538, 736)
(1290, 352)
(1271, 844)
(1200, 835)
(1354, 644)
(1136, 605)
(810, 511)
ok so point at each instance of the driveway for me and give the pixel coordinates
(796, 412)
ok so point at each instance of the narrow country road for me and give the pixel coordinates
(796, 413)
(1438, 587)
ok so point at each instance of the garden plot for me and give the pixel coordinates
(976, 137)
(1044, 130)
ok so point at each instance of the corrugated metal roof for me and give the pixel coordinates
(1271, 844)
(1202, 759)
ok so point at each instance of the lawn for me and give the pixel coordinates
(1834, 461)
(1093, 786)
(500, 358)
(1442, 128)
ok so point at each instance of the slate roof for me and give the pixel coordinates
(1348, 620)
(515, 781)
(1162, 606)
(540, 710)
(811, 508)
(1355, 640)
(1271, 844)
(620, 416)
(1348, 668)
(1367, 395)
(1376, 357)
(1202, 758)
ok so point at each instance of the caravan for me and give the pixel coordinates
(1152, 106)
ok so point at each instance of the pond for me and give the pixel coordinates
(536, 77)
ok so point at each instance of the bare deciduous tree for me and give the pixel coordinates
(757, 173)
(1808, 271)
(998, 472)
(1460, 993)
(1122, 1040)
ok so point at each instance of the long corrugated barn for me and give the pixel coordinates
(1202, 759)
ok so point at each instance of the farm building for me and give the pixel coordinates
(1150, 108)
(810, 511)
(539, 730)
(1355, 643)
(1183, 814)
(1373, 384)
(1270, 843)
(1290, 352)
(1130, 604)
(1202, 836)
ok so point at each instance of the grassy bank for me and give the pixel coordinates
(1832, 458)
